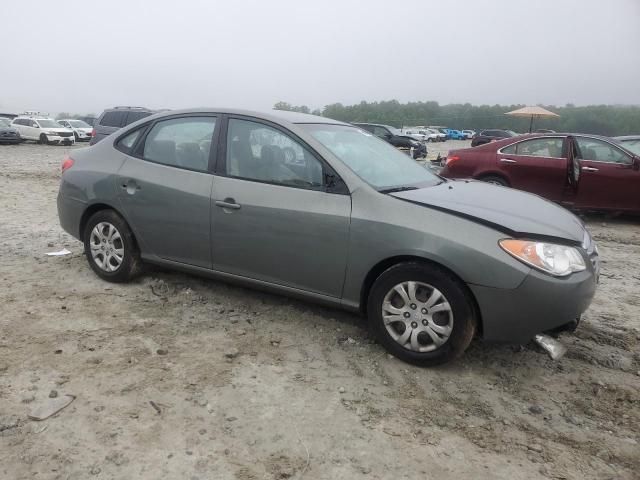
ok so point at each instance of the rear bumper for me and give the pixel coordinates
(540, 303)
(69, 214)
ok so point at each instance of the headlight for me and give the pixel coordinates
(51, 133)
(558, 260)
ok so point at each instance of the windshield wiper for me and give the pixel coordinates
(397, 189)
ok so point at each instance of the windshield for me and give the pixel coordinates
(79, 124)
(46, 123)
(374, 160)
(4, 122)
(633, 145)
(512, 133)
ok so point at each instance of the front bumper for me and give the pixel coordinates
(83, 137)
(540, 303)
(11, 139)
(58, 140)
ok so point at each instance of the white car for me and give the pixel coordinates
(428, 134)
(410, 132)
(81, 130)
(468, 133)
(43, 130)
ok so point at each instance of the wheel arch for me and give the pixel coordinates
(97, 207)
(387, 263)
(492, 173)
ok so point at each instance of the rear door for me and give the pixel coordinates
(607, 177)
(537, 165)
(274, 219)
(164, 187)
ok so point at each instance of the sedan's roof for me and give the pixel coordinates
(622, 138)
(277, 115)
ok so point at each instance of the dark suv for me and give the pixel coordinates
(114, 119)
(488, 136)
(395, 137)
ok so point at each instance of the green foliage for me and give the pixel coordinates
(596, 119)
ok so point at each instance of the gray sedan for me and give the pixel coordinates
(315, 208)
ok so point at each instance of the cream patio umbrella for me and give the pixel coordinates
(533, 112)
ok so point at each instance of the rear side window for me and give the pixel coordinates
(113, 119)
(181, 142)
(135, 116)
(127, 142)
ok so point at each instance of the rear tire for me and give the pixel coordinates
(495, 180)
(110, 247)
(438, 310)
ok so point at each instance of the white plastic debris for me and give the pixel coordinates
(59, 253)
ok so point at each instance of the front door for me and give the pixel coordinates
(273, 219)
(607, 177)
(537, 165)
(165, 189)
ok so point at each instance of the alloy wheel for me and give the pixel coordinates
(107, 247)
(417, 316)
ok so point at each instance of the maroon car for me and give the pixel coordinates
(582, 171)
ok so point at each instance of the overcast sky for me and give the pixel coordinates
(83, 56)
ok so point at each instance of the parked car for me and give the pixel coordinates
(544, 130)
(488, 136)
(351, 223)
(43, 130)
(630, 142)
(81, 130)
(395, 138)
(455, 134)
(8, 134)
(580, 171)
(113, 119)
(441, 130)
(88, 120)
(427, 134)
(468, 134)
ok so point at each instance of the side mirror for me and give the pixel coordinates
(35, 125)
(388, 136)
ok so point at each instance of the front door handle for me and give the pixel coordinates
(228, 203)
(589, 169)
(507, 160)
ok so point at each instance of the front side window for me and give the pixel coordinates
(538, 147)
(180, 142)
(258, 152)
(600, 151)
(377, 162)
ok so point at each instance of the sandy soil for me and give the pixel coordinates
(248, 385)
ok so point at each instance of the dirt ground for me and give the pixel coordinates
(247, 385)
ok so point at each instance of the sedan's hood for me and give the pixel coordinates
(8, 129)
(515, 212)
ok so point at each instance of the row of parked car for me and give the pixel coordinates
(42, 129)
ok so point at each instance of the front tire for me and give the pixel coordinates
(43, 140)
(110, 247)
(421, 314)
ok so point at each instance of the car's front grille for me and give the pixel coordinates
(65, 134)
(9, 134)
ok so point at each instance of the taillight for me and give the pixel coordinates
(67, 163)
(451, 159)
(93, 133)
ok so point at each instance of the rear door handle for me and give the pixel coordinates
(507, 160)
(229, 203)
(589, 169)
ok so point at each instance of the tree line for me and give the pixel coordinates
(608, 120)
